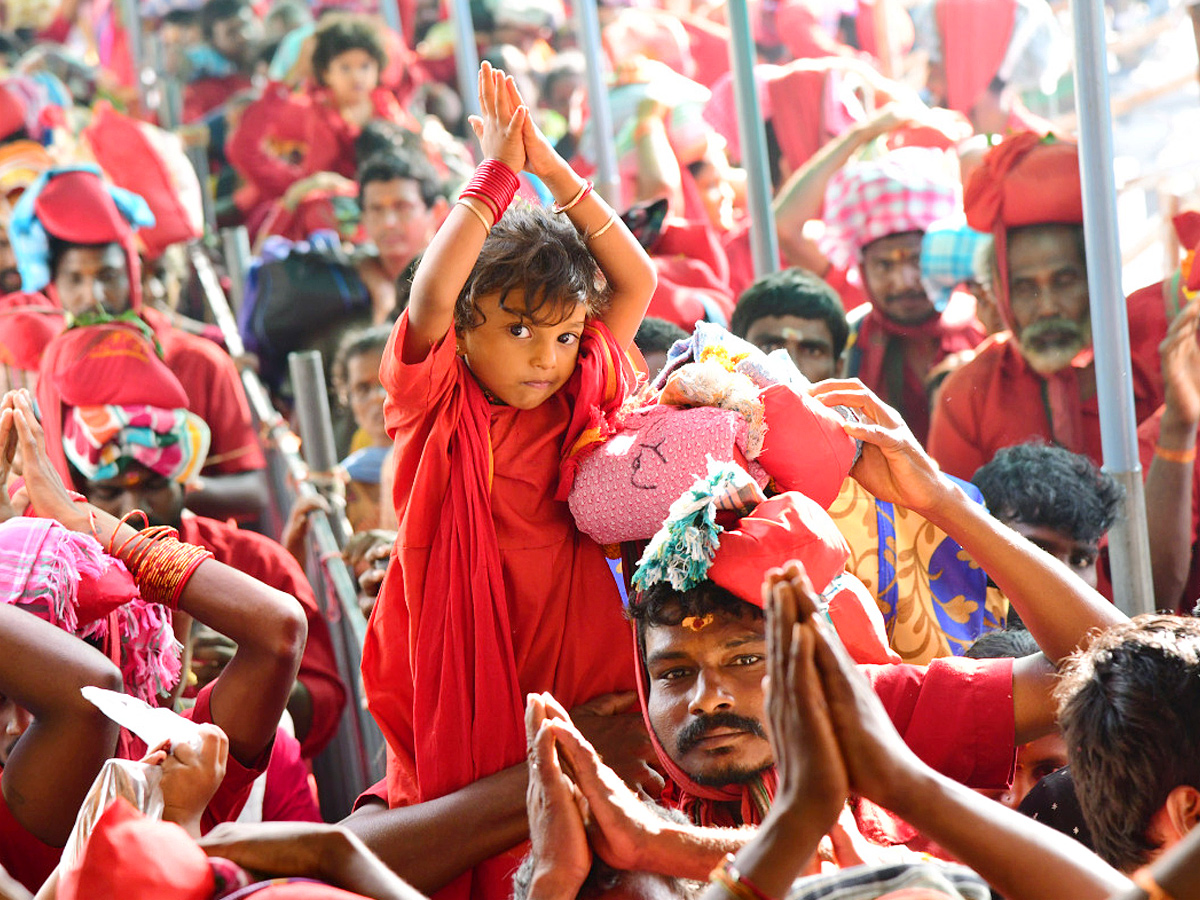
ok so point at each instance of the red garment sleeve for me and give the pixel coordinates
(377, 791)
(23, 856)
(288, 797)
(231, 795)
(247, 150)
(956, 714)
(214, 388)
(260, 557)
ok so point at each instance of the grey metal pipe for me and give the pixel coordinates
(316, 432)
(199, 160)
(1129, 546)
(608, 178)
(131, 19)
(764, 242)
(236, 244)
(466, 54)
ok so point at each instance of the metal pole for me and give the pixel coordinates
(391, 14)
(764, 243)
(1128, 544)
(466, 54)
(236, 243)
(316, 428)
(608, 178)
(199, 159)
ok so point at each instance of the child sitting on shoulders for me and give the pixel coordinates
(509, 360)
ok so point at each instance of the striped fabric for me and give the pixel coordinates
(906, 190)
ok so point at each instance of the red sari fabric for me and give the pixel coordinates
(491, 591)
(330, 138)
(869, 347)
(974, 36)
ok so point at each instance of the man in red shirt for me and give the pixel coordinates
(1038, 380)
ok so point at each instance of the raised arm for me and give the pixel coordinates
(54, 763)
(1022, 859)
(268, 626)
(450, 256)
(1060, 611)
(1169, 481)
(802, 196)
(630, 273)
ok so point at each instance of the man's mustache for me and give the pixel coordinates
(1062, 331)
(700, 727)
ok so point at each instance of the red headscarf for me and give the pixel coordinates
(99, 365)
(76, 206)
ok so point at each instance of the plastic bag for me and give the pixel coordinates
(137, 782)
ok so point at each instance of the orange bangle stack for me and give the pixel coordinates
(160, 563)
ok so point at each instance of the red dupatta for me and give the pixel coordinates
(467, 694)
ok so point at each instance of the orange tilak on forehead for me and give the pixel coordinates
(697, 623)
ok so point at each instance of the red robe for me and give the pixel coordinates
(262, 558)
(996, 400)
(554, 623)
(331, 138)
(1148, 433)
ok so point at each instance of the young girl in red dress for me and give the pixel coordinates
(509, 360)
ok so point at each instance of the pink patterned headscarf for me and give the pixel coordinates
(905, 190)
(101, 441)
(67, 579)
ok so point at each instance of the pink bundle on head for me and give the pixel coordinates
(67, 579)
(906, 190)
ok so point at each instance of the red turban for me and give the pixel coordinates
(77, 207)
(1027, 179)
(96, 366)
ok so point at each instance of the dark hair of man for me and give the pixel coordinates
(1007, 643)
(661, 605)
(58, 249)
(215, 11)
(1129, 710)
(603, 878)
(792, 292)
(341, 33)
(533, 251)
(357, 343)
(181, 17)
(392, 166)
(1050, 487)
(657, 335)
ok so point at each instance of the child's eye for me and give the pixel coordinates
(569, 338)
(519, 331)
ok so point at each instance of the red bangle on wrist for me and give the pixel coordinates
(494, 184)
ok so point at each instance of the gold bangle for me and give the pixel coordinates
(583, 192)
(603, 228)
(1183, 457)
(1145, 881)
(736, 888)
(463, 201)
